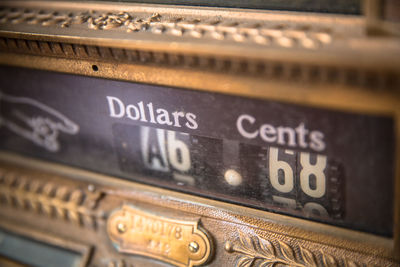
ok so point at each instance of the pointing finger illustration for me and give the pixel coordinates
(34, 121)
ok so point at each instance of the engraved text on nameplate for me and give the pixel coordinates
(179, 242)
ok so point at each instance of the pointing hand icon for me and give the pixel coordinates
(34, 121)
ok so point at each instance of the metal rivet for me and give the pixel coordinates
(121, 228)
(229, 246)
(193, 247)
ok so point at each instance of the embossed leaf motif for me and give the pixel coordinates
(266, 247)
(287, 252)
(308, 257)
(61, 193)
(245, 261)
(49, 189)
(74, 216)
(76, 197)
(328, 260)
(263, 253)
(246, 241)
(49, 199)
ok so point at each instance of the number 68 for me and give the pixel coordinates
(308, 170)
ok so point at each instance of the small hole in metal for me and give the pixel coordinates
(95, 68)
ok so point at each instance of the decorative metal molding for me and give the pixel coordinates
(284, 71)
(303, 35)
(250, 249)
(308, 35)
(70, 204)
(256, 251)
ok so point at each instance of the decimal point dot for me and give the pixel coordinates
(233, 178)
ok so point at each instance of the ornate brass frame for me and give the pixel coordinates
(325, 61)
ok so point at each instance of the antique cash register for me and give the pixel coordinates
(200, 133)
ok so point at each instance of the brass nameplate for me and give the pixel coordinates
(178, 242)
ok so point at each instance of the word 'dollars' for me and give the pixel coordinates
(147, 112)
(293, 137)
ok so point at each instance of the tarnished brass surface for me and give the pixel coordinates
(331, 61)
(240, 234)
(176, 241)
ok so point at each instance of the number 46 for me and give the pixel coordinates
(166, 148)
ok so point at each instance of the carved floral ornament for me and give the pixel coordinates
(305, 36)
(256, 251)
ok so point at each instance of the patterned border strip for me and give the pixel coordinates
(302, 35)
(70, 204)
(256, 251)
(283, 71)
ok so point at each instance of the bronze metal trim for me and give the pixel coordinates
(331, 65)
(249, 219)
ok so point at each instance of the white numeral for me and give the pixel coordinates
(158, 161)
(317, 170)
(178, 153)
(308, 171)
(165, 149)
(274, 166)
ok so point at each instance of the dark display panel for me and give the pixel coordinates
(330, 166)
(302, 182)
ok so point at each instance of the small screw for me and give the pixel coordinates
(121, 228)
(193, 247)
(91, 188)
